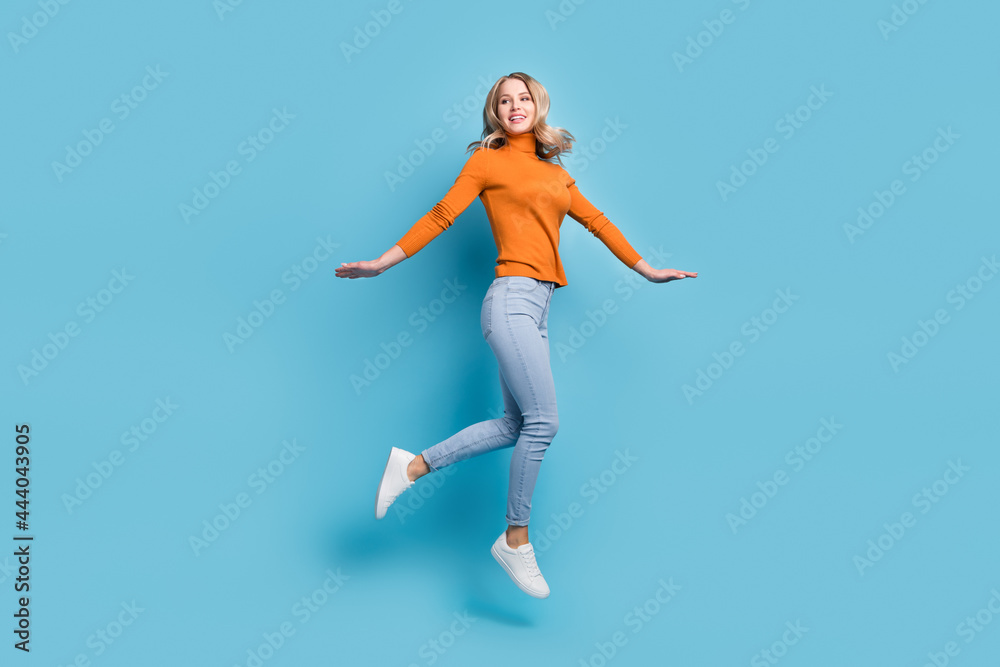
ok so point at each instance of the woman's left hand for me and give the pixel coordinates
(666, 275)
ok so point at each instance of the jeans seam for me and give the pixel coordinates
(489, 314)
(477, 442)
(531, 386)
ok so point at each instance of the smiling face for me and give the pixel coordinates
(515, 108)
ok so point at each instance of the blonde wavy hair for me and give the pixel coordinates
(550, 141)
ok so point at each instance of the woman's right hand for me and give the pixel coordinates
(389, 259)
(365, 269)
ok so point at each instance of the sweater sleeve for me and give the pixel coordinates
(598, 224)
(470, 182)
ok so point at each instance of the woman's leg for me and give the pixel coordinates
(479, 438)
(483, 436)
(519, 339)
(514, 320)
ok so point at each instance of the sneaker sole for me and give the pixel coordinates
(378, 493)
(499, 559)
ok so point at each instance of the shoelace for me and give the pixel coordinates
(528, 557)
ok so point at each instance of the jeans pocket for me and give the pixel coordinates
(522, 284)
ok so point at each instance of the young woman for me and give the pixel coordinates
(526, 197)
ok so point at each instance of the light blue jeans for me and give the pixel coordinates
(513, 319)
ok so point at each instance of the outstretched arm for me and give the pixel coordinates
(470, 182)
(595, 222)
(581, 210)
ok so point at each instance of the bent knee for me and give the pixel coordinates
(544, 428)
(512, 425)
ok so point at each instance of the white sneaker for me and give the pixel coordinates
(520, 564)
(394, 480)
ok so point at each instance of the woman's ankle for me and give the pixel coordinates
(516, 536)
(417, 468)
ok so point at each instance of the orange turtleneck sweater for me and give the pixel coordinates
(526, 199)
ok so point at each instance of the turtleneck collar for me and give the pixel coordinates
(524, 142)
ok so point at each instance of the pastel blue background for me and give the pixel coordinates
(323, 176)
